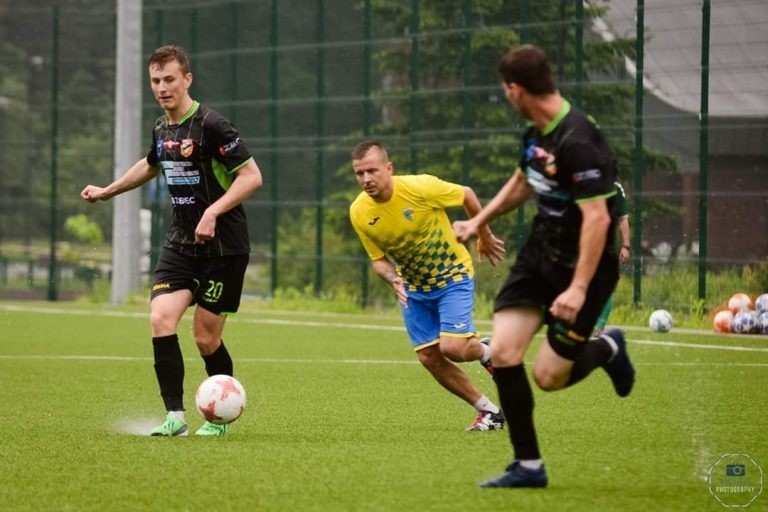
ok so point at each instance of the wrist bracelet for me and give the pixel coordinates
(626, 247)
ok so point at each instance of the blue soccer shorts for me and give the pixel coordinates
(440, 312)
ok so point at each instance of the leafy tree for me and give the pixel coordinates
(85, 89)
(467, 133)
(16, 173)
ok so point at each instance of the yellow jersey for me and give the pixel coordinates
(413, 230)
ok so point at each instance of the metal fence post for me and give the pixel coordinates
(273, 130)
(639, 156)
(704, 149)
(467, 101)
(415, 107)
(367, 108)
(320, 153)
(53, 292)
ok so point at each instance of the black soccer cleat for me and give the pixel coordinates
(518, 476)
(619, 368)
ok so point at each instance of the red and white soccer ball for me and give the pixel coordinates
(220, 399)
(744, 322)
(723, 321)
(738, 302)
(660, 320)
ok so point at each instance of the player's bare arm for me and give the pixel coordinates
(625, 239)
(514, 192)
(140, 173)
(594, 230)
(488, 246)
(247, 180)
(386, 271)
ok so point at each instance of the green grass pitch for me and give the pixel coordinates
(342, 418)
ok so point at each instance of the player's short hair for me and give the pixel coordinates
(362, 148)
(528, 67)
(165, 54)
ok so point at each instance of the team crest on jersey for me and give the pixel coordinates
(546, 159)
(408, 213)
(540, 157)
(186, 147)
(159, 148)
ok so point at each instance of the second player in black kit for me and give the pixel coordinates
(565, 163)
(567, 268)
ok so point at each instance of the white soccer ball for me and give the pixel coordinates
(762, 323)
(660, 320)
(744, 322)
(761, 303)
(220, 399)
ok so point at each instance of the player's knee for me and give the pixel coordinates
(430, 357)
(207, 344)
(547, 380)
(161, 322)
(457, 350)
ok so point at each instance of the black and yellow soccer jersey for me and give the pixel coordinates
(198, 158)
(566, 163)
(413, 230)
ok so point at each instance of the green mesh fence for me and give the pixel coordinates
(304, 80)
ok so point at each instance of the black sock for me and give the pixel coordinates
(516, 400)
(219, 362)
(596, 353)
(169, 369)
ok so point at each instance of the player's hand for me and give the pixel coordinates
(92, 193)
(490, 247)
(623, 255)
(206, 228)
(399, 285)
(464, 230)
(568, 304)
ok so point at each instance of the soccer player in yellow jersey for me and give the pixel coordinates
(403, 226)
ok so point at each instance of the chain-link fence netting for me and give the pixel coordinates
(304, 81)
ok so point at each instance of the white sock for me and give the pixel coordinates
(179, 415)
(531, 463)
(486, 353)
(483, 404)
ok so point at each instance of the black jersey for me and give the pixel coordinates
(198, 158)
(567, 162)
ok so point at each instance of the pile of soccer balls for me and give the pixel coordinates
(743, 316)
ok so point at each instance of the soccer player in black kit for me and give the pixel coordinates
(209, 173)
(567, 268)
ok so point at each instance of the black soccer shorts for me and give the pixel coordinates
(534, 280)
(216, 282)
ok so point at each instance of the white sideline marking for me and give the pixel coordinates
(697, 345)
(193, 359)
(325, 361)
(369, 327)
(269, 321)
